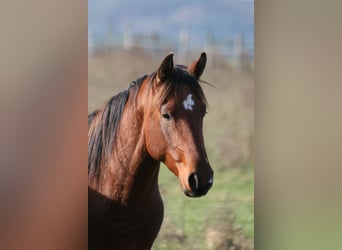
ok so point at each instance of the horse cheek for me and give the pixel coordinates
(155, 143)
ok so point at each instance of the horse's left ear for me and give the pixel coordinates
(197, 67)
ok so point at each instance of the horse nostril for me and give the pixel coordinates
(210, 183)
(193, 182)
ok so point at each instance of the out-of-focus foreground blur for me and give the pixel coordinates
(43, 100)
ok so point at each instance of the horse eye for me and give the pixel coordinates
(167, 116)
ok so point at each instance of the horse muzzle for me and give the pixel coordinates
(198, 187)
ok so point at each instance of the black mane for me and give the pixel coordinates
(101, 134)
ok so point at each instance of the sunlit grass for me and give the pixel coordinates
(228, 205)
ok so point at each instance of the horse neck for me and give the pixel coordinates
(132, 175)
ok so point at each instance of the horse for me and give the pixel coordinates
(159, 118)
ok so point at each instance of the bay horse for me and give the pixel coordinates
(157, 119)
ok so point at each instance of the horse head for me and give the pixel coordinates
(173, 124)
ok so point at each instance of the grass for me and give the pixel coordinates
(224, 218)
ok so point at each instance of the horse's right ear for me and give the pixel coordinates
(166, 68)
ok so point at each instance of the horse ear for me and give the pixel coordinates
(166, 68)
(197, 67)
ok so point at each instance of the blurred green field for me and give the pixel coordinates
(224, 218)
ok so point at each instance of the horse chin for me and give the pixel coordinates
(191, 194)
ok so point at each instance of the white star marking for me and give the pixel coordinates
(188, 102)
